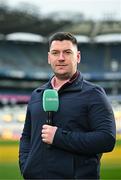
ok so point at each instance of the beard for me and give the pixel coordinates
(64, 76)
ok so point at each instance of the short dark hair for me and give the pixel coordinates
(60, 36)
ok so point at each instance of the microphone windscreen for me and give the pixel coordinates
(50, 100)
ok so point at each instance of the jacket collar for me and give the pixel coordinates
(74, 85)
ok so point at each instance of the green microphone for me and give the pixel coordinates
(50, 103)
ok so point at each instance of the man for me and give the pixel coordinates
(83, 127)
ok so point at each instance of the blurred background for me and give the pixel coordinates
(24, 31)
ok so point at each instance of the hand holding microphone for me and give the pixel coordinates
(48, 133)
(50, 105)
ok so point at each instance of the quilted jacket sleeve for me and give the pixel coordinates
(101, 137)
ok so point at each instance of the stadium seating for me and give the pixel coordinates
(99, 62)
(33, 56)
(22, 56)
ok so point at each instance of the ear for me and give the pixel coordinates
(78, 57)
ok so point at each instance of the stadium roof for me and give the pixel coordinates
(92, 29)
(82, 39)
(16, 21)
(20, 36)
(18, 25)
(108, 38)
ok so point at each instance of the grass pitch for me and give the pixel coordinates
(9, 168)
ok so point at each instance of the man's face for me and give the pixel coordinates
(63, 58)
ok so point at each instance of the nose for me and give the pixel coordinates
(61, 56)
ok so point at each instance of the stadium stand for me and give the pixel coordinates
(34, 56)
(100, 55)
(23, 67)
(100, 61)
(14, 55)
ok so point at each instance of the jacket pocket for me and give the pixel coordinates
(86, 168)
(60, 165)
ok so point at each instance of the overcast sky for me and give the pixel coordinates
(95, 9)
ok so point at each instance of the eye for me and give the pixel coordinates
(68, 52)
(54, 52)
